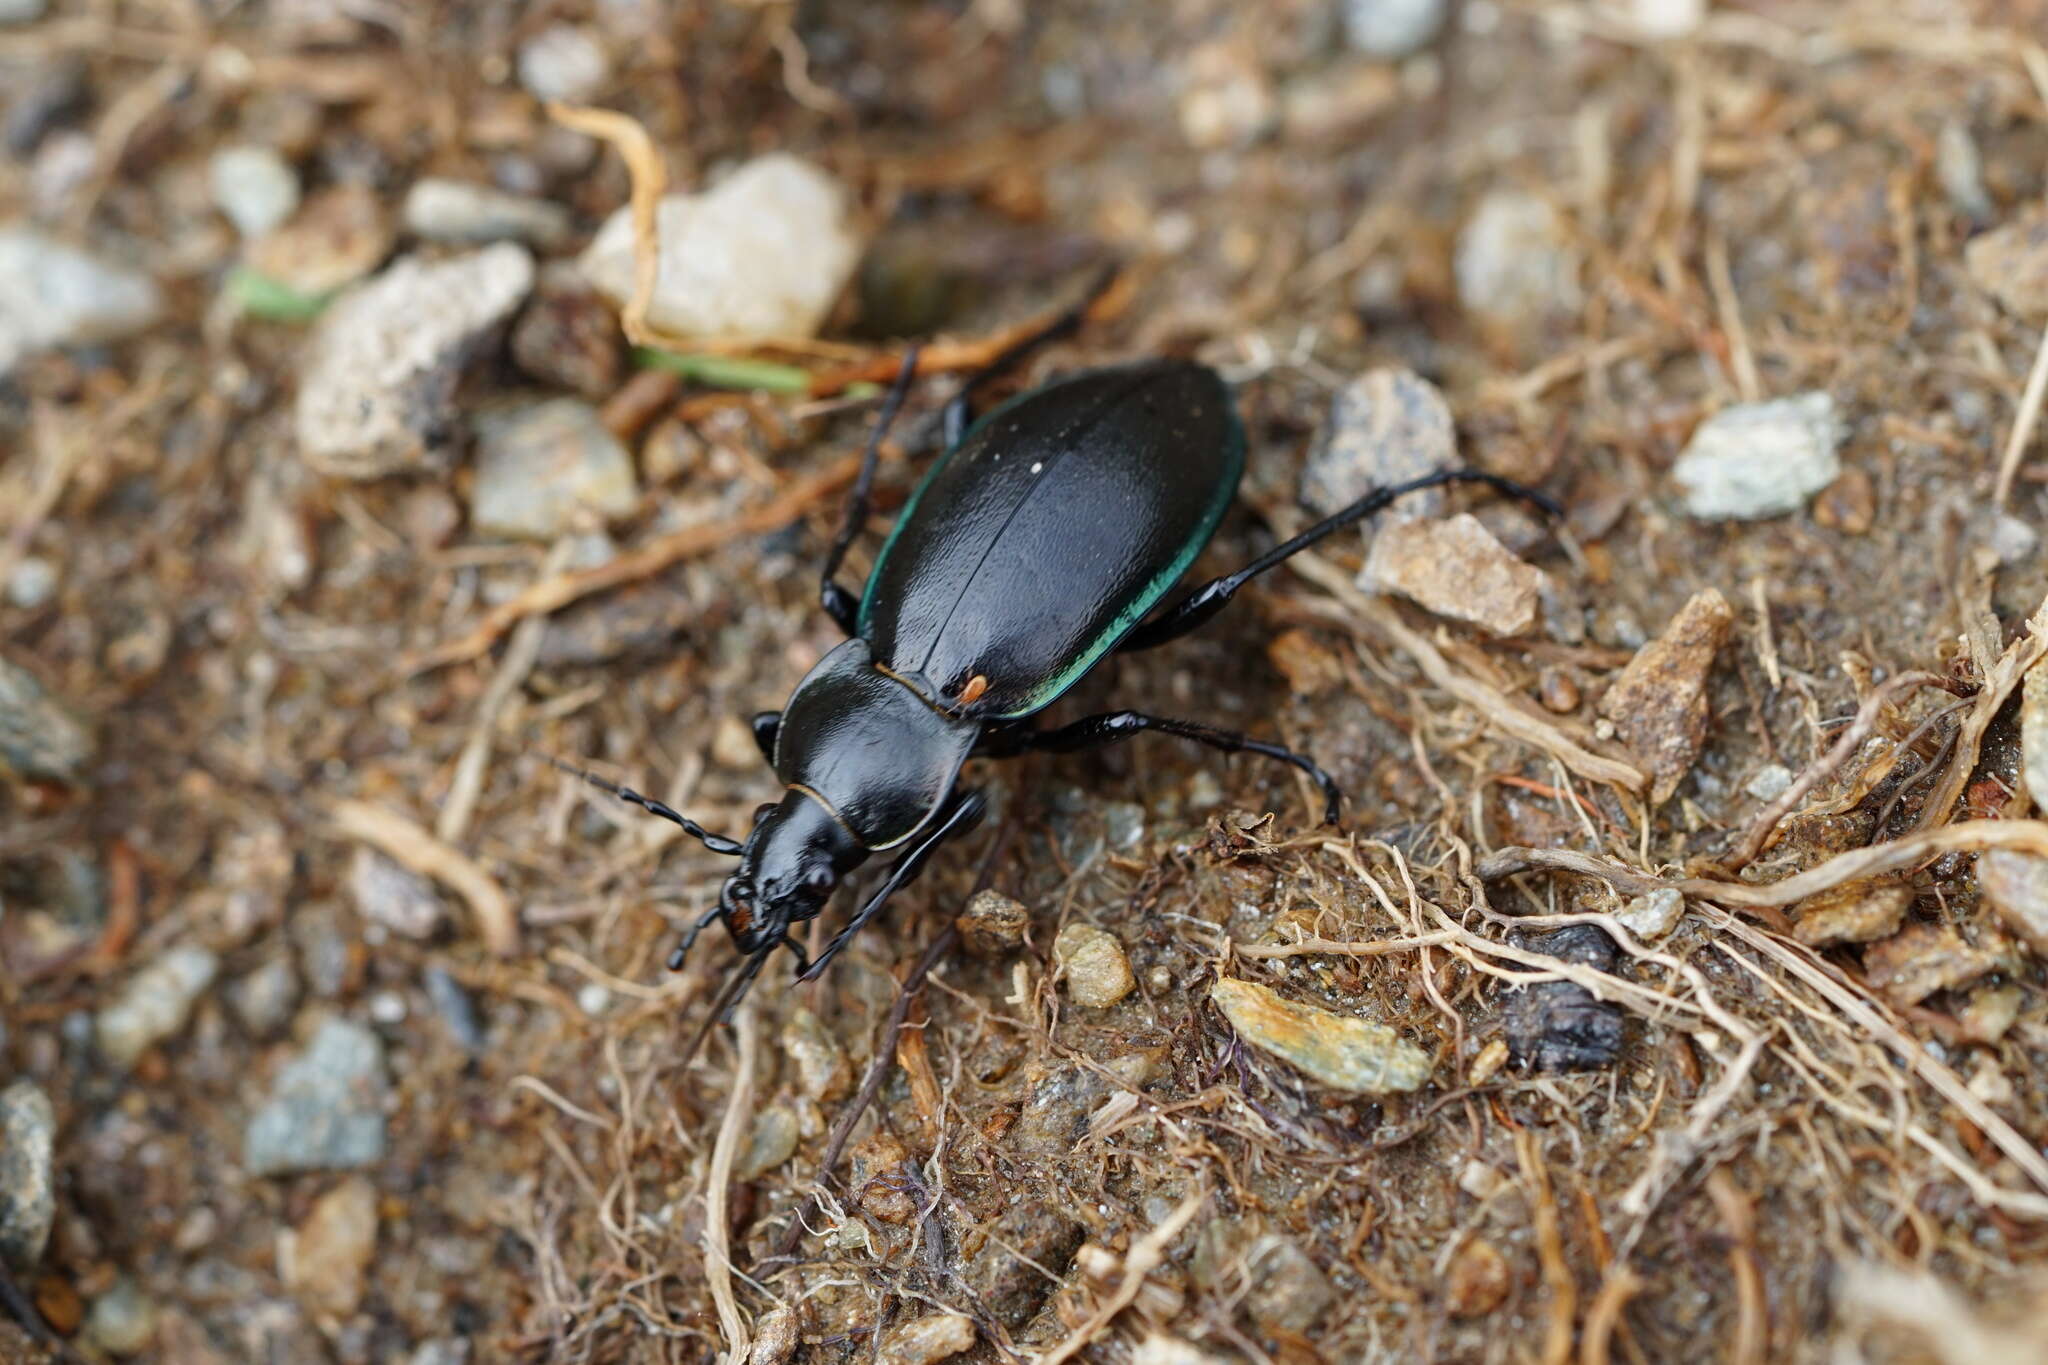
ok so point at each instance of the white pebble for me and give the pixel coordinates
(254, 187)
(1759, 460)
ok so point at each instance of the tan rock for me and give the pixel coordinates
(2015, 884)
(1659, 703)
(1093, 965)
(1456, 569)
(1478, 1280)
(2010, 263)
(1924, 958)
(323, 1260)
(1856, 912)
(927, 1339)
(1341, 1052)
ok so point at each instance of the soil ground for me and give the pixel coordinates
(1785, 1162)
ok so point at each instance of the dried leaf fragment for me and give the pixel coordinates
(1340, 1052)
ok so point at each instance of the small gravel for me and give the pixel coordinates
(927, 1339)
(154, 1004)
(544, 468)
(1760, 459)
(1092, 963)
(565, 62)
(28, 1192)
(323, 1260)
(1391, 29)
(1515, 265)
(122, 1321)
(397, 898)
(264, 999)
(1385, 427)
(764, 253)
(39, 737)
(378, 386)
(326, 1108)
(256, 188)
(1458, 570)
(32, 584)
(1654, 915)
(458, 211)
(55, 295)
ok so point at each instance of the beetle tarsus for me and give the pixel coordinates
(958, 821)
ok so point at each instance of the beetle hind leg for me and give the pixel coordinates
(1092, 732)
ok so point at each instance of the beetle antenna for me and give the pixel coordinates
(717, 843)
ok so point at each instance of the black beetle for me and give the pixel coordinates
(1037, 544)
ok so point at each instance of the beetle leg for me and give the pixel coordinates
(682, 950)
(959, 819)
(765, 725)
(1204, 602)
(958, 413)
(841, 605)
(1092, 732)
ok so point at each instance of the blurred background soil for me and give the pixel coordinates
(332, 498)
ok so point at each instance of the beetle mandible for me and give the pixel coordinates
(1040, 542)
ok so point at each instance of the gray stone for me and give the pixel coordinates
(1514, 263)
(1759, 460)
(1769, 782)
(764, 253)
(456, 1008)
(1654, 915)
(1959, 167)
(397, 898)
(542, 469)
(377, 388)
(326, 1109)
(1289, 1292)
(2012, 540)
(154, 1004)
(265, 998)
(1391, 29)
(254, 187)
(771, 1142)
(457, 211)
(28, 1191)
(442, 1351)
(122, 1321)
(39, 738)
(1385, 427)
(22, 11)
(56, 295)
(33, 582)
(564, 62)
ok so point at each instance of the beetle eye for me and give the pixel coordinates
(740, 892)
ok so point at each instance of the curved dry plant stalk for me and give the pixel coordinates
(739, 1107)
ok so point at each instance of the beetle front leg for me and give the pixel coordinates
(959, 820)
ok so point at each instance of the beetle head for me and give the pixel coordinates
(795, 856)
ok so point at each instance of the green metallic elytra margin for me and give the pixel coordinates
(1131, 615)
(1156, 589)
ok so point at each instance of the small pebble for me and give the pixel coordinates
(1659, 703)
(1514, 264)
(443, 210)
(2010, 263)
(1560, 1025)
(1392, 29)
(265, 998)
(1990, 1012)
(1557, 690)
(442, 1351)
(122, 1321)
(54, 295)
(1123, 825)
(764, 253)
(541, 469)
(2013, 541)
(2034, 734)
(1159, 1349)
(822, 1071)
(1339, 1051)
(1384, 427)
(1488, 1063)
(254, 187)
(64, 165)
(33, 582)
(377, 383)
(456, 1008)
(1924, 958)
(154, 1004)
(1855, 912)
(1289, 1291)
(1456, 569)
(1093, 965)
(326, 1107)
(1959, 169)
(1759, 460)
(22, 11)
(28, 1192)
(593, 999)
(396, 897)
(927, 1339)
(388, 1008)
(323, 1261)
(2016, 884)
(993, 925)
(1226, 99)
(1650, 917)
(337, 237)
(771, 1142)
(1478, 1280)
(1769, 782)
(776, 1337)
(565, 62)
(1666, 19)
(39, 738)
